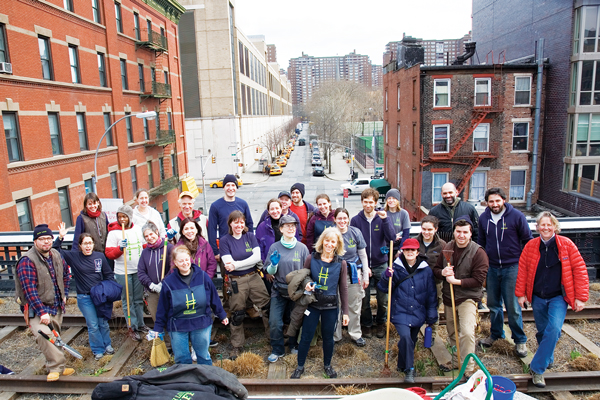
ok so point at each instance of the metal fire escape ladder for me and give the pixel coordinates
(468, 174)
(477, 118)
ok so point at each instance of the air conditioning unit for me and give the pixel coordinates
(5, 68)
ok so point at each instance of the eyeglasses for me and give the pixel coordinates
(45, 239)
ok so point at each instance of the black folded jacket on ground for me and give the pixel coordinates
(181, 381)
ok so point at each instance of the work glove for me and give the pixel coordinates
(389, 273)
(122, 244)
(275, 257)
(171, 234)
(153, 335)
(156, 287)
(385, 250)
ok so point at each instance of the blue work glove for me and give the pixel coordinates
(171, 234)
(389, 273)
(275, 257)
(385, 250)
(122, 244)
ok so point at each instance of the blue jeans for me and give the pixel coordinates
(98, 330)
(549, 315)
(136, 299)
(200, 338)
(309, 327)
(501, 289)
(278, 306)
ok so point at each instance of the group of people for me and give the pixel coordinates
(306, 266)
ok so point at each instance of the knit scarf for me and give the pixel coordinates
(94, 214)
(156, 245)
(289, 245)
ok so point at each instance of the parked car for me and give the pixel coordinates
(356, 186)
(301, 142)
(318, 171)
(281, 161)
(316, 162)
(275, 169)
(219, 183)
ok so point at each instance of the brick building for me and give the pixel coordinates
(76, 67)
(464, 124)
(570, 32)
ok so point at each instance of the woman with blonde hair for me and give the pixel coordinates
(329, 273)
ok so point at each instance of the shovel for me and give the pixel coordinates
(386, 368)
(129, 328)
(448, 256)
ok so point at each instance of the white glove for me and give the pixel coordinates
(156, 287)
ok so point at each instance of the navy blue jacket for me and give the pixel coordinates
(414, 301)
(103, 295)
(164, 312)
(378, 234)
(503, 242)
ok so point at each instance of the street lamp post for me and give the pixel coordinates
(150, 115)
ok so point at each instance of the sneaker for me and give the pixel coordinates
(144, 329)
(366, 332)
(98, 356)
(538, 380)
(297, 373)
(109, 350)
(446, 367)
(521, 350)
(360, 342)
(136, 336)
(213, 343)
(273, 357)
(550, 366)
(409, 375)
(487, 342)
(294, 351)
(381, 331)
(194, 357)
(330, 372)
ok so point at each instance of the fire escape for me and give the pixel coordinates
(165, 134)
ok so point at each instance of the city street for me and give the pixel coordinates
(298, 169)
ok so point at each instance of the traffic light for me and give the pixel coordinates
(214, 160)
(258, 149)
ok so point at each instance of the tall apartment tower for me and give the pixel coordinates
(68, 70)
(437, 51)
(271, 53)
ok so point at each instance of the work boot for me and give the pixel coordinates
(487, 342)
(381, 331)
(330, 372)
(538, 380)
(297, 373)
(366, 332)
(409, 375)
(521, 350)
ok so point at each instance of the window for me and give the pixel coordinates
(149, 27)
(74, 61)
(68, 4)
(96, 10)
(438, 181)
(590, 29)
(153, 74)
(477, 186)
(3, 45)
(118, 17)
(146, 129)
(88, 185)
(46, 58)
(169, 121)
(150, 175)
(134, 185)
(441, 93)
(520, 136)
(128, 128)
(13, 139)
(107, 124)
(55, 139)
(481, 137)
(386, 100)
(398, 91)
(124, 83)
(173, 165)
(24, 215)
(522, 90)
(65, 206)
(82, 131)
(441, 138)
(102, 70)
(482, 91)
(517, 185)
(161, 168)
(113, 185)
(398, 131)
(141, 74)
(588, 135)
(136, 26)
(166, 76)
(589, 86)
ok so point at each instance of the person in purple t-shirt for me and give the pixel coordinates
(240, 253)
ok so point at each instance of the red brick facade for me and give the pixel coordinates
(41, 167)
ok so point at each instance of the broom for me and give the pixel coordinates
(448, 255)
(129, 328)
(386, 368)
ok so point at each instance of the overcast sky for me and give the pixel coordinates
(333, 27)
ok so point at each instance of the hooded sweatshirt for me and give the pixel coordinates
(133, 252)
(150, 265)
(153, 215)
(503, 241)
(377, 233)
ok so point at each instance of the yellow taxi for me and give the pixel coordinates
(275, 169)
(281, 161)
(219, 183)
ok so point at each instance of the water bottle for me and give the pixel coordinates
(427, 339)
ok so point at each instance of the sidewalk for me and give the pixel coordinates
(252, 176)
(340, 170)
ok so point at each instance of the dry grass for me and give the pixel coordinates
(228, 365)
(595, 286)
(248, 365)
(117, 305)
(345, 350)
(72, 301)
(291, 361)
(222, 338)
(2, 301)
(484, 327)
(136, 371)
(350, 390)
(503, 346)
(587, 362)
(80, 364)
(105, 360)
(594, 397)
(315, 351)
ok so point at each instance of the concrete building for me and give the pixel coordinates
(437, 51)
(307, 73)
(271, 53)
(571, 153)
(468, 124)
(234, 98)
(68, 69)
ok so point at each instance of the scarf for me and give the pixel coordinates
(289, 245)
(95, 214)
(157, 244)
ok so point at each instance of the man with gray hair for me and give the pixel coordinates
(186, 205)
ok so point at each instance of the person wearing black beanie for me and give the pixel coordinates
(301, 208)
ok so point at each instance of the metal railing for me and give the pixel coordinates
(164, 137)
(155, 41)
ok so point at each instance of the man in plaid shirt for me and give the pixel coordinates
(42, 289)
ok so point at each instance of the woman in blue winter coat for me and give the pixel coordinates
(188, 299)
(414, 301)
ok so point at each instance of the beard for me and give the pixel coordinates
(450, 200)
(497, 212)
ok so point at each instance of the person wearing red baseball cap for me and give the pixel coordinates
(414, 301)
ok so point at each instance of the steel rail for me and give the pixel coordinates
(555, 382)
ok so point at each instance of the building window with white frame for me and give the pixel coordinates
(483, 88)
(398, 130)
(82, 131)
(441, 93)
(520, 136)
(24, 214)
(589, 90)
(398, 95)
(517, 185)
(3, 47)
(96, 11)
(522, 90)
(588, 135)
(439, 178)
(441, 138)
(74, 62)
(481, 138)
(118, 17)
(477, 186)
